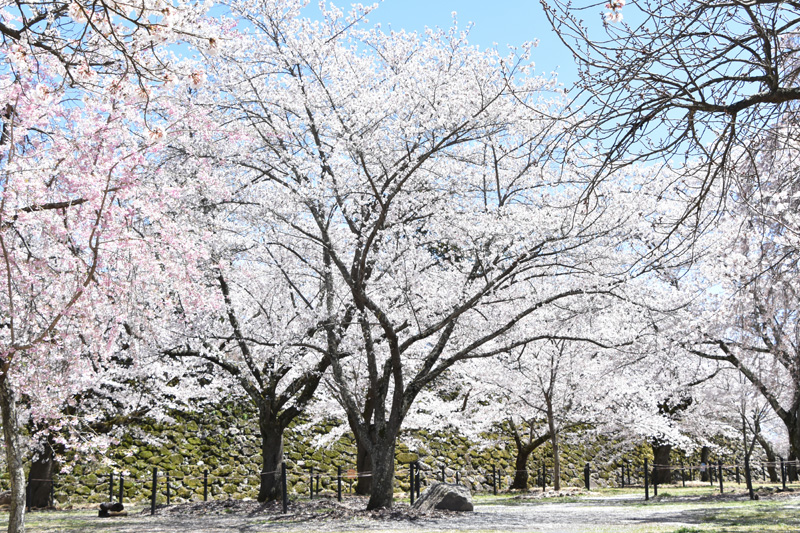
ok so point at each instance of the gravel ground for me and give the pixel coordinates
(525, 514)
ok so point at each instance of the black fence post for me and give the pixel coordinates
(419, 479)
(284, 489)
(783, 473)
(458, 478)
(205, 486)
(411, 481)
(738, 479)
(683, 474)
(655, 480)
(544, 478)
(646, 481)
(719, 466)
(622, 477)
(586, 471)
(629, 472)
(111, 487)
(339, 483)
(121, 486)
(153, 495)
(442, 473)
(311, 484)
(494, 479)
(318, 489)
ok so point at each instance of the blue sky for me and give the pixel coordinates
(505, 22)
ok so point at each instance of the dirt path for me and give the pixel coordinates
(575, 517)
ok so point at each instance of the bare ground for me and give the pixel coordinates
(524, 513)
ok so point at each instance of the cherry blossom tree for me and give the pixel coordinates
(683, 82)
(407, 176)
(74, 83)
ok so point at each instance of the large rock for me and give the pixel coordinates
(445, 496)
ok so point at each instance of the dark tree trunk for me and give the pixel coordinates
(772, 459)
(271, 458)
(705, 455)
(40, 478)
(382, 495)
(8, 409)
(662, 471)
(364, 467)
(521, 464)
(524, 450)
(794, 446)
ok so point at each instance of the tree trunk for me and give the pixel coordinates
(794, 448)
(40, 478)
(772, 459)
(662, 473)
(8, 411)
(271, 458)
(364, 468)
(551, 424)
(382, 495)
(556, 461)
(705, 455)
(521, 464)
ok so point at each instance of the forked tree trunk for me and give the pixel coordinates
(382, 495)
(662, 472)
(271, 458)
(8, 411)
(40, 478)
(364, 468)
(524, 450)
(521, 465)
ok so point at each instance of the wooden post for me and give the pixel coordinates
(783, 473)
(311, 484)
(683, 474)
(646, 481)
(284, 489)
(153, 495)
(168, 495)
(205, 486)
(121, 485)
(544, 478)
(411, 481)
(458, 478)
(622, 466)
(111, 487)
(494, 479)
(442, 473)
(339, 483)
(418, 477)
(629, 472)
(655, 479)
(586, 471)
(719, 466)
(738, 479)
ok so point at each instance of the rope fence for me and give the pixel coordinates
(162, 486)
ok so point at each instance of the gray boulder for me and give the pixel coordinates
(445, 496)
